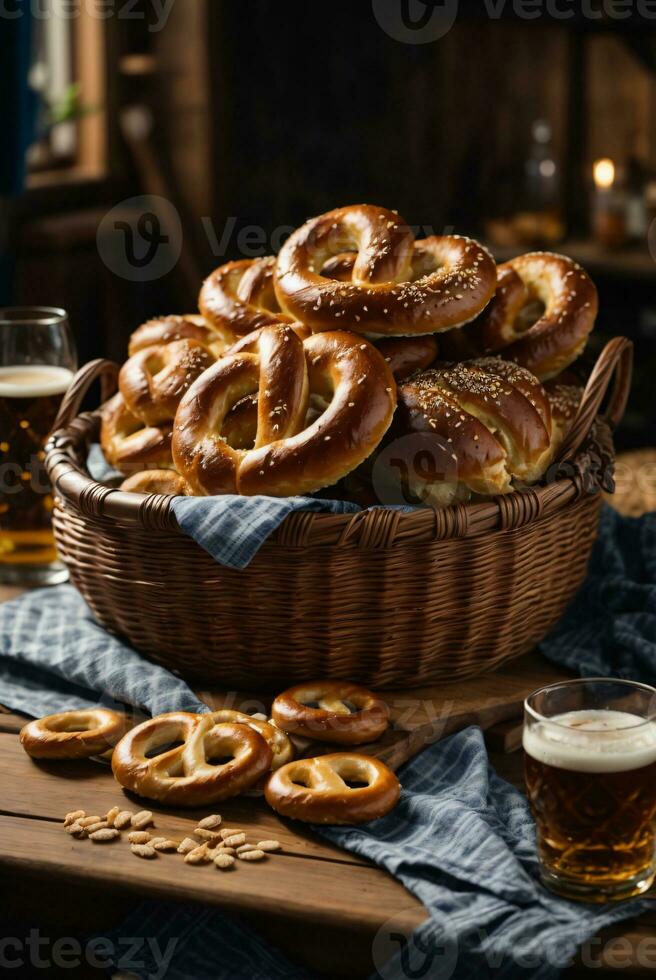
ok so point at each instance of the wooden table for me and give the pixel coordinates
(326, 908)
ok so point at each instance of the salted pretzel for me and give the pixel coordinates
(166, 329)
(156, 481)
(398, 286)
(318, 790)
(281, 747)
(288, 457)
(128, 444)
(73, 734)
(185, 775)
(544, 308)
(491, 420)
(154, 379)
(239, 297)
(346, 713)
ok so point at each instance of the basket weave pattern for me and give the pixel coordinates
(384, 598)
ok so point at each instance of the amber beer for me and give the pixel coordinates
(30, 396)
(591, 781)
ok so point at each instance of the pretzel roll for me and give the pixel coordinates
(184, 774)
(130, 446)
(491, 421)
(318, 790)
(544, 308)
(406, 355)
(154, 379)
(397, 286)
(347, 713)
(166, 329)
(239, 297)
(281, 747)
(156, 481)
(287, 457)
(73, 734)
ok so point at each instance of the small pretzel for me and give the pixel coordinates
(318, 791)
(166, 329)
(287, 457)
(544, 308)
(280, 745)
(398, 287)
(333, 720)
(156, 481)
(239, 297)
(73, 734)
(128, 444)
(184, 775)
(154, 379)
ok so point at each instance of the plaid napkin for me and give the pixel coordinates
(609, 629)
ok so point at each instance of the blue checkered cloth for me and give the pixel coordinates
(609, 628)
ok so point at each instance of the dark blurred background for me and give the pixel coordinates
(204, 130)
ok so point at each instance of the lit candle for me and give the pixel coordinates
(609, 208)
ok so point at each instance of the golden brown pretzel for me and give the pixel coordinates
(288, 458)
(492, 423)
(128, 444)
(556, 290)
(281, 747)
(239, 297)
(332, 720)
(156, 481)
(405, 355)
(182, 775)
(154, 379)
(398, 287)
(73, 734)
(166, 329)
(318, 791)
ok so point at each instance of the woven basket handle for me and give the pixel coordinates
(107, 371)
(613, 364)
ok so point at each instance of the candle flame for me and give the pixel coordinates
(604, 173)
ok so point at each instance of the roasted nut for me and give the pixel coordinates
(244, 848)
(269, 845)
(143, 850)
(73, 816)
(106, 834)
(207, 835)
(87, 821)
(142, 819)
(223, 860)
(139, 837)
(254, 855)
(235, 840)
(207, 823)
(76, 830)
(164, 844)
(111, 816)
(92, 828)
(123, 819)
(187, 845)
(229, 832)
(199, 855)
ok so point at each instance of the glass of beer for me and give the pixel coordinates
(590, 768)
(37, 362)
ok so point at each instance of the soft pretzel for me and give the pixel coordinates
(154, 379)
(239, 297)
(128, 444)
(166, 329)
(544, 308)
(491, 422)
(185, 775)
(281, 746)
(397, 286)
(73, 734)
(156, 481)
(333, 720)
(318, 790)
(406, 355)
(288, 457)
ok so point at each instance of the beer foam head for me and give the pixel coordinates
(34, 381)
(592, 741)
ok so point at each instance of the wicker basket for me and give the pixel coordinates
(381, 597)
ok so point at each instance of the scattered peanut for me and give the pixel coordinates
(207, 823)
(111, 816)
(107, 833)
(208, 835)
(76, 830)
(223, 860)
(164, 844)
(73, 816)
(139, 837)
(225, 850)
(199, 855)
(244, 848)
(142, 819)
(87, 821)
(229, 832)
(269, 845)
(254, 855)
(93, 827)
(123, 819)
(187, 845)
(143, 850)
(235, 840)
